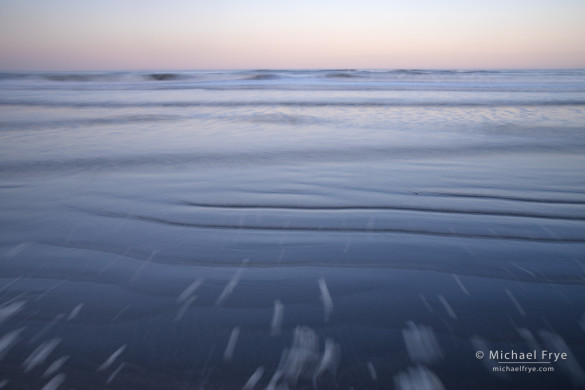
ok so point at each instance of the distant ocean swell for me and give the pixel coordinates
(269, 74)
(300, 103)
(245, 75)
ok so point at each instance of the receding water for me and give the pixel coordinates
(291, 229)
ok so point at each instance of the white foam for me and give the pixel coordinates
(447, 307)
(183, 309)
(190, 290)
(302, 355)
(40, 354)
(138, 274)
(229, 288)
(10, 310)
(372, 370)
(17, 249)
(326, 299)
(460, 284)
(516, 303)
(75, 312)
(231, 345)
(254, 379)
(55, 366)
(277, 317)
(55, 382)
(115, 373)
(329, 360)
(8, 341)
(421, 343)
(418, 378)
(109, 361)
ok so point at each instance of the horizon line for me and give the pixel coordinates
(260, 69)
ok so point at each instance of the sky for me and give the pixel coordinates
(38, 35)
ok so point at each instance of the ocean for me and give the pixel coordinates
(292, 229)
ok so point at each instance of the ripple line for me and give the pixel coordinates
(501, 197)
(382, 207)
(342, 230)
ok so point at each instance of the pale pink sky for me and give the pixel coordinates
(181, 34)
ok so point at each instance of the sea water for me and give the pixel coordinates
(299, 229)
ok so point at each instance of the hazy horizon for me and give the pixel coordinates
(218, 69)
